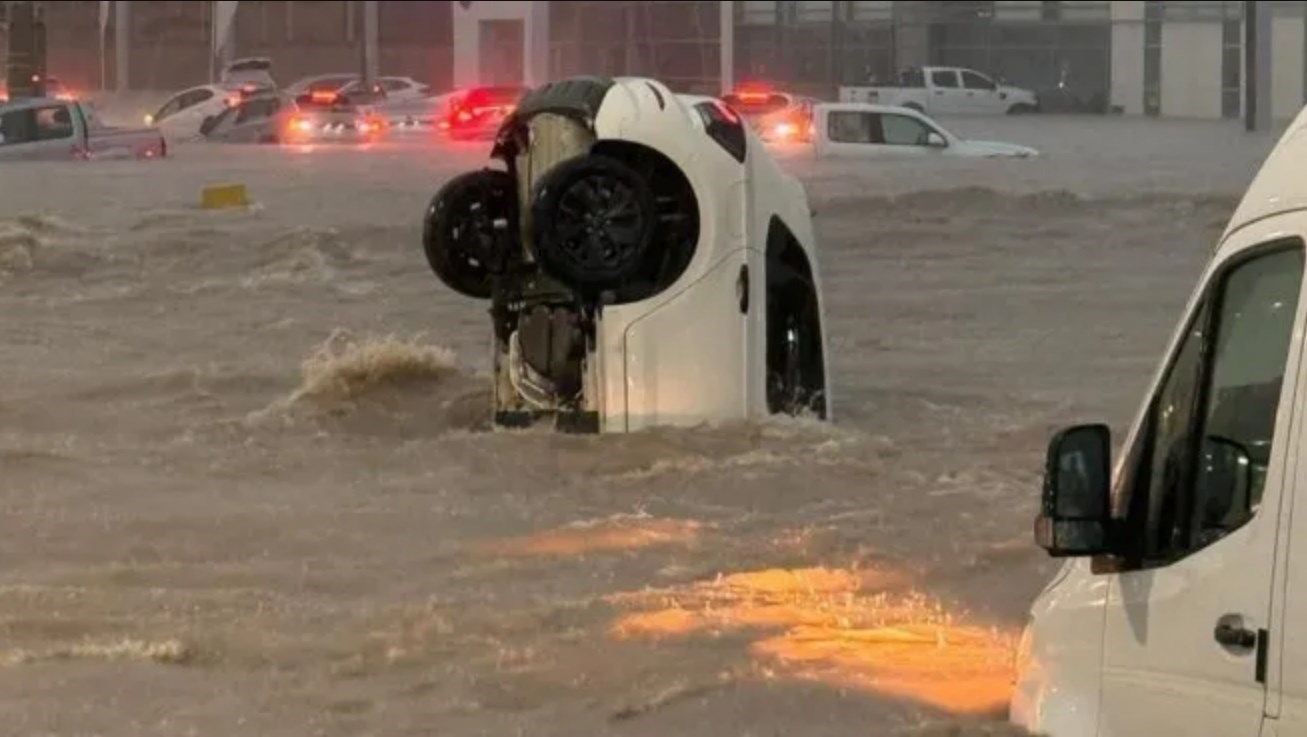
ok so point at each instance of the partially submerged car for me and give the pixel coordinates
(861, 129)
(54, 88)
(321, 116)
(45, 128)
(646, 260)
(774, 115)
(276, 118)
(182, 116)
(477, 113)
(260, 119)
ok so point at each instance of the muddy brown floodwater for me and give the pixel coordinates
(247, 487)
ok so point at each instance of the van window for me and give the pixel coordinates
(1181, 488)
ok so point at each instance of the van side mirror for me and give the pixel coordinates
(1075, 511)
(935, 140)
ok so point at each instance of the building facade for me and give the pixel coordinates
(1137, 57)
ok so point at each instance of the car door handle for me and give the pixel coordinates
(939, 92)
(1231, 635)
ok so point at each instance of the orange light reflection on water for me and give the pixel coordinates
(840, 627)
(607, 535)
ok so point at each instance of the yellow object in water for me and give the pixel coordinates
(224, 196)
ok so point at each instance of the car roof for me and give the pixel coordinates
(1279, 185)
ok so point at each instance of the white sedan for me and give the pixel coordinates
(862, 129)
(182, 115)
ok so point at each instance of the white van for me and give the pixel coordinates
(1182, 609)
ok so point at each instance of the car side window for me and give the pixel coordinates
(170, 108)
(53, 123)
(901, 130)
(974, 81)
(195, 97)
(17, 126)
(393, 85)
(912, 78)
(843, 126)
(944, 78)
(1198, 466)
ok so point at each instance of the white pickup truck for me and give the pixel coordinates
(947, 91)
(48, 129)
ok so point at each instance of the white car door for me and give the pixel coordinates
(981, 94)
(1200, 490)
(946, 93)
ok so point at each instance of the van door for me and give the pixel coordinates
(1286, 676)
(1199, 492)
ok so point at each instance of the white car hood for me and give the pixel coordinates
(992, 149)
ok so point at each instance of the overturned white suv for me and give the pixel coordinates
(646, 260)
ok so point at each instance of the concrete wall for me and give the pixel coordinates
(467, 38)
(1287, 66)
(1191, 70)
(1127, 83)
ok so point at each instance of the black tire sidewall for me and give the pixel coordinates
(445, 258)
(546, 197)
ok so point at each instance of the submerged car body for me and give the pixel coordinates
(862, 129)
(48, 129)
(477, 113)
(646, 260)
(277, 118)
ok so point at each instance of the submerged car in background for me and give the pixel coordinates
(54, 89)
(396, 88)
(478, 112)
(646, 261)
(181, 116)
(322, 116)
(279, 118)
(45, 128)
(774, 115)
(259, 119)
(858, 129)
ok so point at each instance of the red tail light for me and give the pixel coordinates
(323, 96)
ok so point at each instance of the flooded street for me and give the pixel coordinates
(247, 484)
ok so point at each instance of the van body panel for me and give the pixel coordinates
(1162, 667)
(1058, 658)
(1162, 670)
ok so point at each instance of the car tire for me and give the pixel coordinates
(470, 231)
(593, 219)
(1021, 108)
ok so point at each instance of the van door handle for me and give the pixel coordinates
(1234, 636)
